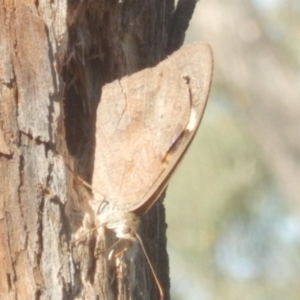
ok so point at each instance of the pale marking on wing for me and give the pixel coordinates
(193, 122)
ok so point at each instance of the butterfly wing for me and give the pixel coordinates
(145, 123)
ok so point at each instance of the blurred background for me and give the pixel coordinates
(233, 207)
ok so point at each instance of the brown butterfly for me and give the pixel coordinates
(145, 124)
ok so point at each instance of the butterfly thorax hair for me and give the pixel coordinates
(124, 224)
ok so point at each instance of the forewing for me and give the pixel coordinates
(145, 123)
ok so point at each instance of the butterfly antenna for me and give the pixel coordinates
(91, 230)
(83, 235)
(161, 293)
(83, 181)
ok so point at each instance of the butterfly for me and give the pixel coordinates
(145, 124)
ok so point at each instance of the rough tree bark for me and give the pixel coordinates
(55, 57)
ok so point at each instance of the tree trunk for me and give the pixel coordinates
(55, 57)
